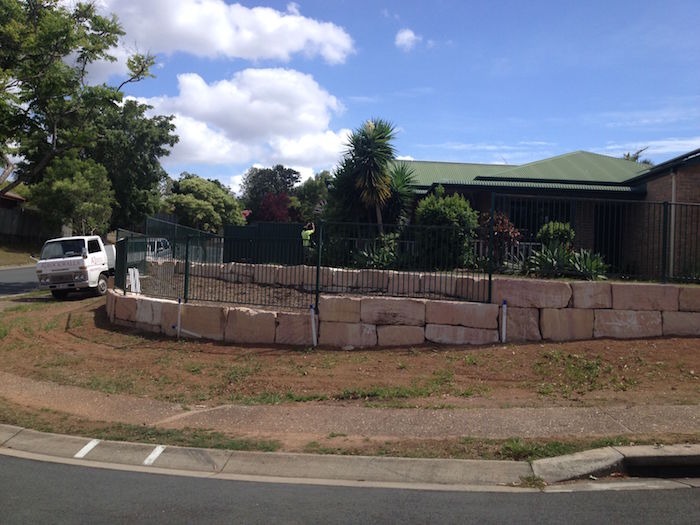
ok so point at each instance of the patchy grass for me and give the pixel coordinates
(61, 423)
(17, 255)
(572, 373)
(276, 398)
(4, 330)
(522, 450)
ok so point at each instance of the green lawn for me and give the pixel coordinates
(17, 254)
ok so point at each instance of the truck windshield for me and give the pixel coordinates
(65, 248)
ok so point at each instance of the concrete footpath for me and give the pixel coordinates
(312, 419)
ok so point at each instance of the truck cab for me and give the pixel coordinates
(75, 263)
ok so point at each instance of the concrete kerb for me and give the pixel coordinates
(437, 474)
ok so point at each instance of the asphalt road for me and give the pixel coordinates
(18, 280)
(37, 492)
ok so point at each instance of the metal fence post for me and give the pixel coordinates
(664, 244)
(187, 268)
(319, 247)
(492, 225)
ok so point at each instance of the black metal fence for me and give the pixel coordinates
(270, 264)
(656, 241)
(277, 268)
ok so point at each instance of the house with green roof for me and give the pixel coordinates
(616, 206)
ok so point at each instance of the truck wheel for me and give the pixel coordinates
(101, 288)
(59, 294)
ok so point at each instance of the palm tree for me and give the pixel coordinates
(370, 151)
(400, 203)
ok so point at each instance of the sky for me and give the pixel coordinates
(264, 83)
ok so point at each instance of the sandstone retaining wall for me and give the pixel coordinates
(537, 310)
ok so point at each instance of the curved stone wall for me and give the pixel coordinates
(537, 310)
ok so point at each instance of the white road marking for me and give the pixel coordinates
(87, 448)
(154, 455)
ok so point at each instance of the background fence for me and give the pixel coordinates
(637, 240)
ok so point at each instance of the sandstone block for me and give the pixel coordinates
(325, 277)
(168, 319)
(439, 283)
(336, 308)
(291, 275)
(347, 334)
(472, 288)
(373, 280)
(531, 293)
(681, 323)
(474, 315)
(459, 335)
(266, 273)
(643, 296)
(125, 307)
(404, 283)
(400, 335)
(689, 300)
(240, 272)
(343, 279)
(204, 321)
(149, 310)
(522, 324)
(246, 325)
(110, 301)
(388, 310)
(627, 324)
(566, 324)
(293, 329)
(591, 295)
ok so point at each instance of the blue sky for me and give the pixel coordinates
(257, 83)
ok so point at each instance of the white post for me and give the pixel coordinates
(313, 325)
(503, 321)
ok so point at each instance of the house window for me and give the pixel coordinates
(529, 215)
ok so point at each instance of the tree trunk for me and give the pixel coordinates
(379, 219)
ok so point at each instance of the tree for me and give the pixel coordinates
(400, 203)
(203, 203)
(275, 208)
(344, 203)
(258, 182)
(129, 148)
(49, 112)
(77, 191)
(312, 195)
(637, 157)
(370, 152)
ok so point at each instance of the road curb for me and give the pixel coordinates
(424, 474)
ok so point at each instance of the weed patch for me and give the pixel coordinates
(520, 450)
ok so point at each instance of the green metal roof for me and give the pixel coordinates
(495, 183)
(577, 170)
(577, 167)
(428, 173)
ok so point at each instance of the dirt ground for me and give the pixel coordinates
(73, 343)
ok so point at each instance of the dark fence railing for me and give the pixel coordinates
(635, 239)
(276, 268)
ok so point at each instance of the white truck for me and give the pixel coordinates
(75, 263)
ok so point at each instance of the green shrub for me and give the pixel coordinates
(588, 265)
(551, 261)
(556, 233)
(382, 254)
(447, 245)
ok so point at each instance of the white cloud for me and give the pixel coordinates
(406, 39)
(404, 157)
(266, 115)
(213, 28)
(655, 148)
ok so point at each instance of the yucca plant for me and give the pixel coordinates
(588, 265)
